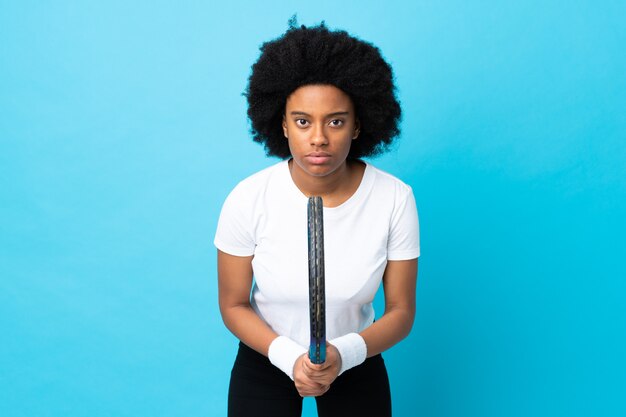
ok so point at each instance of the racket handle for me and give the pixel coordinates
(317, 299)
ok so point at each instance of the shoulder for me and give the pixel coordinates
(235, 232)
(251, 187)
(389, 184)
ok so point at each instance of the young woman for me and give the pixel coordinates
(320, 100)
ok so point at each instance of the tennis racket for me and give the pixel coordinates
(317, 301)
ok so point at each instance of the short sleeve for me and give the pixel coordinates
(234, 233)
(403, 242)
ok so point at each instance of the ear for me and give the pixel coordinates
(285, 126)
(357, 129)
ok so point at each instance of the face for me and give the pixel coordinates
(320, 125)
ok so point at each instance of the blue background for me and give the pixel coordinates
(123, 128)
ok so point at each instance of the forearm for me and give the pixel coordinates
(234, 282)
(399, 283)
(248, 327)
(282, 351)
(385, 332)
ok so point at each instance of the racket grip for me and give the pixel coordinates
(317, 298)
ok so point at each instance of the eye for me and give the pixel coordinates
(336, 122)
(302, 122)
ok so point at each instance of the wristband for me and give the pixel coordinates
(352, 350)
(283, 353)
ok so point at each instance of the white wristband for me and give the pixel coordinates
(352, 350)
(283, 353)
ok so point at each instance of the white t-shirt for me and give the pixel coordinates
(266, 216)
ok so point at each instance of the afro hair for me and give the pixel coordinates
(316, 55)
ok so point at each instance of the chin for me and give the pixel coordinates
(330, 165)
(319, 171)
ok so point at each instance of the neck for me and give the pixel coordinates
(334, 188)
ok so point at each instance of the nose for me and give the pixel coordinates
(318, 135)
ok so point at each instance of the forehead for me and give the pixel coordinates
(318, 99)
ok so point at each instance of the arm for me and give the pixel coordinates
(234, 285)
(399, 283)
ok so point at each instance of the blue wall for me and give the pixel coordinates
(122, 129)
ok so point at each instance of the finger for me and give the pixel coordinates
(322, 373)
(308, 383)
(311, 393)
(315, 369)
(322, 365)
(310, 390)
(307, 371)
(322, 391)
(313, 372)
(307, 363)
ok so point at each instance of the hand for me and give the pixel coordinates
(306, 386)
(324, 373)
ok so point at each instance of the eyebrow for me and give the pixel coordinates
(301, 113)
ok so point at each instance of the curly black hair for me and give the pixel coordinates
(316, 55)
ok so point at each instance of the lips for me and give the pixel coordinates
(318, 158)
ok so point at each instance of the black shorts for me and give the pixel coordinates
(258, 388)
